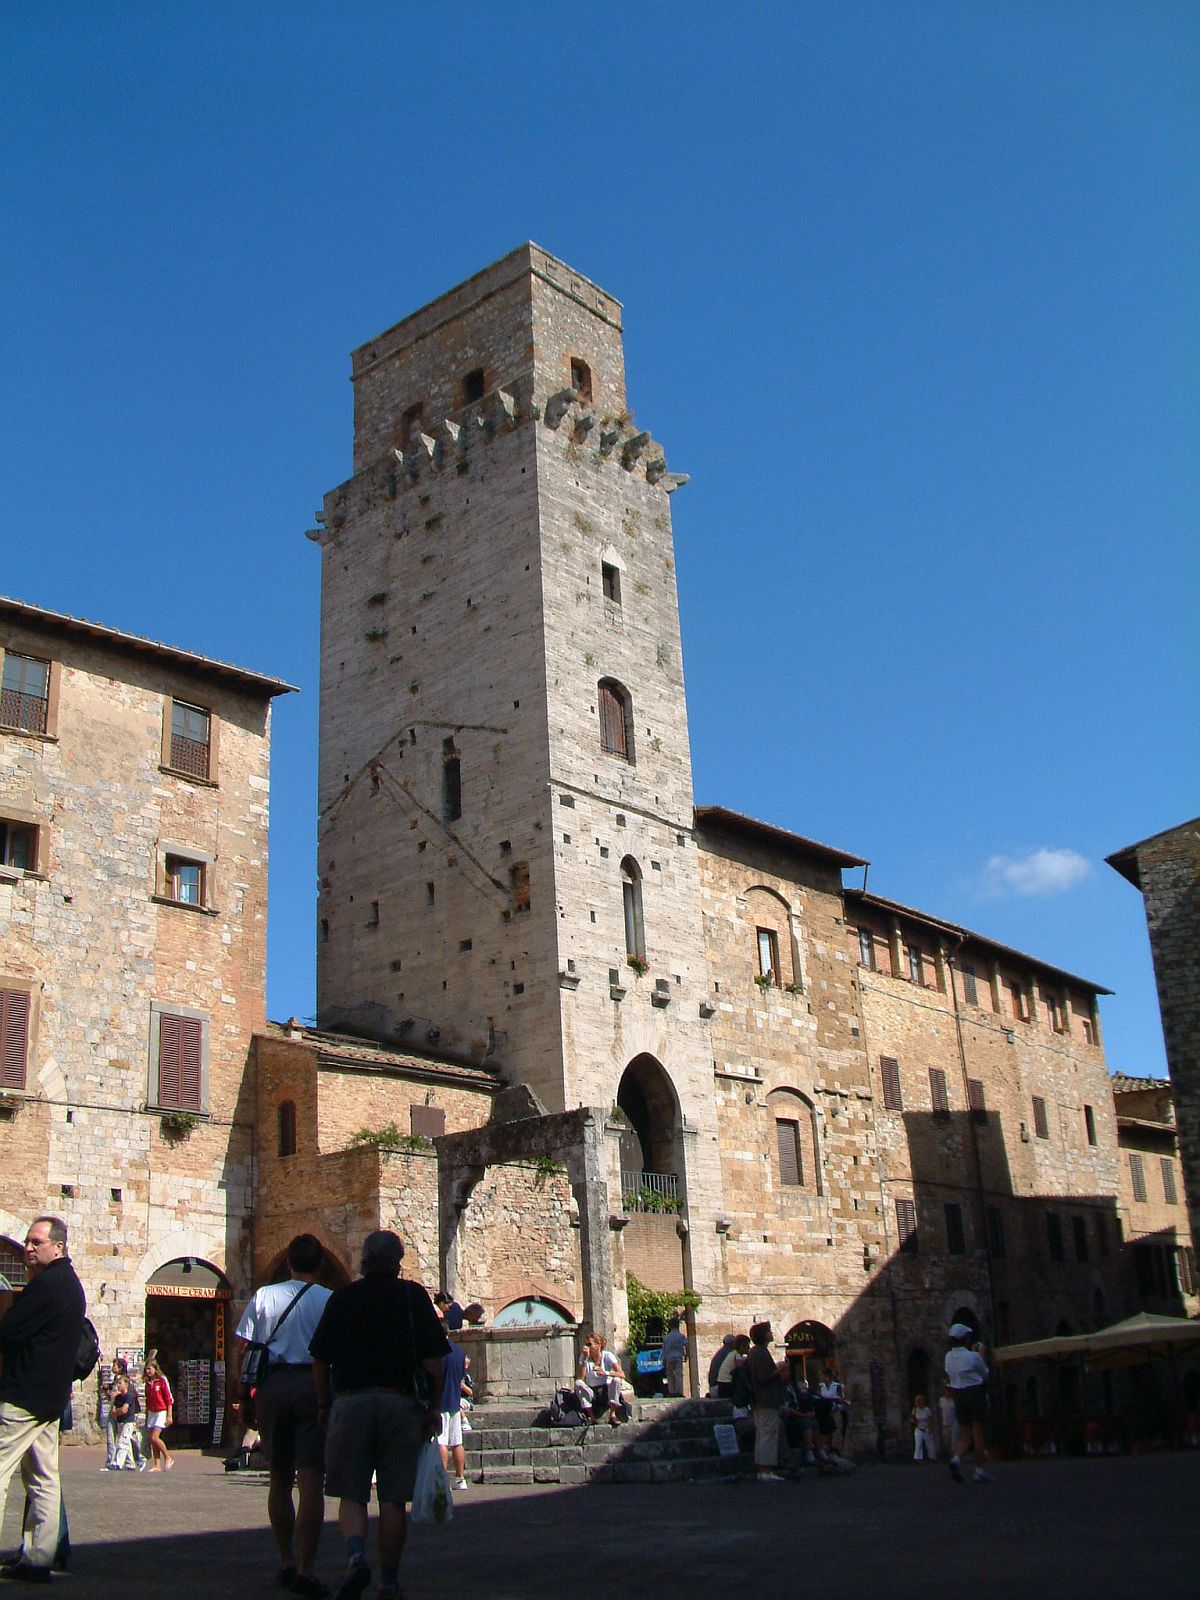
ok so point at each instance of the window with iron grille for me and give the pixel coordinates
(791, 1159)
(185, 881)
(1054, 1235)
(1170, 1193)
(1041, 1122)
(906, 1227)
(970, 989)
(1089, 1123)
(889, 1071)
(18, 845)
(428, 1122)
(938, 1094)
(191, 739)
(977, 1100)
(12, 1263)
(24, 693)
(14, 1037)
(287, 1128)
(181, 1043)
(866, 948)
(1079, 1230)
(616, 719)
(1137, 1174)
(768, 954)
(956, 1243)
(994, 1218)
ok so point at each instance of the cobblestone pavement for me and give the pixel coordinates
(1058, 1529)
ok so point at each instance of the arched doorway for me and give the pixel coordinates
(187, 1323)
(969, 1319)
(918, 1374)
(12, 1271)
(809, 1345)
(332, 1274)
(651, 1168)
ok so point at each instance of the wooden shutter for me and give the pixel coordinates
(995, 1229)
(427, 1121)
(955, 1239)
(938, 1095)
(1041, 1123)
(180, 1062)
(787, 1135)
(889, 1069)
(1170, 1193)
(977, 1100)
(970, 992)
(906, 1226)
(14, 1037)
(1138, 1174)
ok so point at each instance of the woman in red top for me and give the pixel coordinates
(160, 1409)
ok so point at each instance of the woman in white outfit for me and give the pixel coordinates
(599, 1376)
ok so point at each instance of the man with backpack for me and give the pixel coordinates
(39, 1349)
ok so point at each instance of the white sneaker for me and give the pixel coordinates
(460, 1483)
(142, 1465)
(981, 1476)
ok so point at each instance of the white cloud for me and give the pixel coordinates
(1037, 872)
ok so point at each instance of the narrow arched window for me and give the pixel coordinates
(473, 386)
(287, 1127)
(581, 379)
(616, 719)
(631, 894)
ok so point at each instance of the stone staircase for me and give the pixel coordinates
(665, 1441)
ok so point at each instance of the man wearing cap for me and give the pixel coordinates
(39, 1343)
(966, 1379)
(373, 1338)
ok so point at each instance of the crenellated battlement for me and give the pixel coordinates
(450, 444)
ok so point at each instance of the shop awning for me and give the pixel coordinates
(1124, 1343)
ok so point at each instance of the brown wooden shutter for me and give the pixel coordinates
(14, 1037)
(787, 1136)
(889, 1069)
(1137, 1173)
(180, 1059)
(429, 1122)
(977, 1100)
(1041, 1123)
(906, 1226)
(1170, 1193)
(612, 721)
(938, 1093)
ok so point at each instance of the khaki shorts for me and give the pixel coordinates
(373, 1433)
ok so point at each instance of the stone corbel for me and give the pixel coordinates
(557, 407)
(451, 438)
(674, 480)
(506, 405)
(655, 469)
(608, 440)
(632, 450)
(584, 423)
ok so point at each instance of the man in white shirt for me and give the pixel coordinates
(285, 1316)
(966, 1379)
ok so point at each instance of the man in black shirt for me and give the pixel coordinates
(374, 1337)
(39, 1343)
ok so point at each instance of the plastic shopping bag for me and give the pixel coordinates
(431, 1501)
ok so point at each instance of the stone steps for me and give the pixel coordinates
(664, 1441)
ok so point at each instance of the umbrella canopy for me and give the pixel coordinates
(1134, 1339)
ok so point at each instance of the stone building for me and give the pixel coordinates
(806, 1102)
(1166, 869)
(1152, 1199)
(133, 879)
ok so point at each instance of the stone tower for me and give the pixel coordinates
(507, 865)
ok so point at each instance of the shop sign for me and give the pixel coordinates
(180, 1291)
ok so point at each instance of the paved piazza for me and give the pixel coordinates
(1056, 1529)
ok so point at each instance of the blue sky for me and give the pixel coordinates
(909, 292)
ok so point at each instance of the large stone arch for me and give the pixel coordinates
(651, 1142)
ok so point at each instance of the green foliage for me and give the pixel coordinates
(647, 1199)
(389, 1137)
(546, 1167)
(178, 1124)
(639, 964)
(646, 1303)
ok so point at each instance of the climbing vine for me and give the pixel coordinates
(646, 1303)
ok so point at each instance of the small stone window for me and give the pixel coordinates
(451, 782)
(970, 988)
(19, 845)
(916, 969)
(1041, 1120)
(25, 693)
(581, 379)
(1089, 1123)
(473, 386)
(184, 881)
(14, 1037)
(906, 1227)
(631, 896)
(938, 1094)
(889, 1072)
(189, 740)
(866, 949)
(610, 577)
(956, 1243)
(287, 1128)
(518, 881)
(410, 424)
(768, 954)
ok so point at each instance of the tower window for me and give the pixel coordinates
(411, 423)
(970, 988)
(616, 719)
(518, 878)
(631, 894)
(768, 954)
(581, 378)
(451, 785)
(287, 1128)
(866, 949)
(611, 579)
(473, 386)
(956, 1244)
